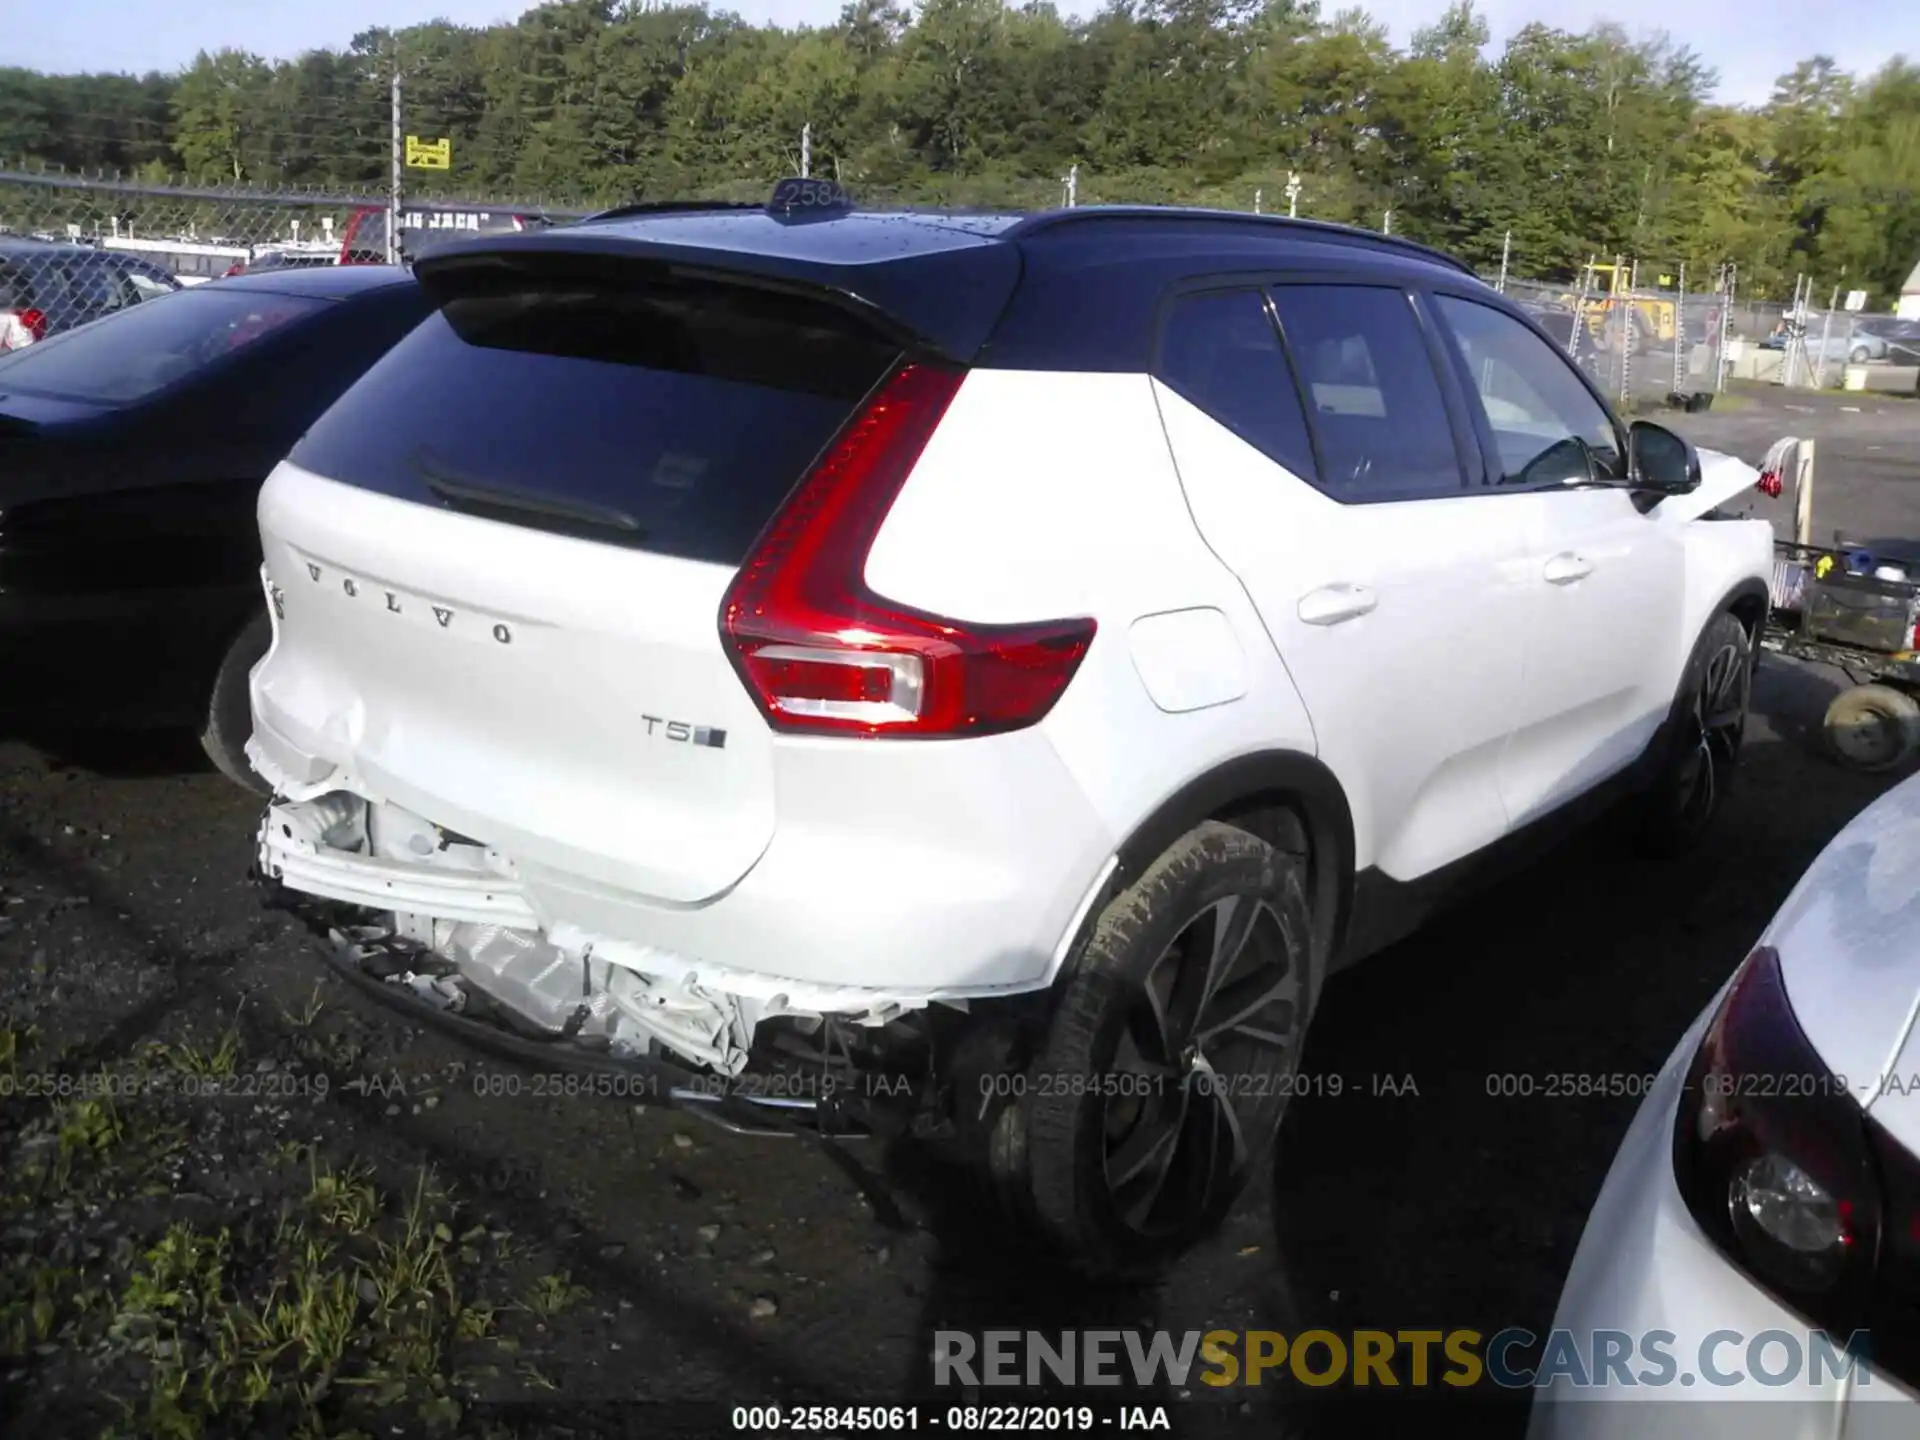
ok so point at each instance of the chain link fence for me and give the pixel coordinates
(1643, 345)
(74, 247)
(1811, 347)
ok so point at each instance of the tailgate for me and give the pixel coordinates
(500, 561)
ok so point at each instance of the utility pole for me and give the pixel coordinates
(1293, 195)
(1386, 222)
(1826, 338)
(399, 155)
(1073, 185)
(806, 150)
(1506, 252)
(1256, 201)
(1680, 366)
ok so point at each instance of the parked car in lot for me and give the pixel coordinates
(1847, 345)
(131, 454)
(982, 672)
(47, 288)
(284, 258)
(1902, 337)
(1770, 1183)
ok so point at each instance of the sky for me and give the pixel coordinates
(1749, 42)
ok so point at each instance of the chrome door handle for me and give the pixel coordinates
(1331, 604)
(1567, 567)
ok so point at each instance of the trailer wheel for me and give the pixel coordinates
(1873, 727)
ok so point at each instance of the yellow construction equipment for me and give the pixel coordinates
(1606, 307)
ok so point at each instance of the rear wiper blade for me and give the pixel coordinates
(507, 502)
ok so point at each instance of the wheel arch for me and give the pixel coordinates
(1287, 798)
(1748, 602)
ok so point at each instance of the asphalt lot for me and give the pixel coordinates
(1866, 454)
(605, 1258)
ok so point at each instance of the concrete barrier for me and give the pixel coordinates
(1750, 362)
(1883, 379)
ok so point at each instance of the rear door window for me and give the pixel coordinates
(672, 415)
(92, 289)
(1374, 398)
(145, 348)
(1220, 351)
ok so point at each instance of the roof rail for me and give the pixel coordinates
(666, 207)
(1047, 220)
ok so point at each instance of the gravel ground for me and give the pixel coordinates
(196, 1228)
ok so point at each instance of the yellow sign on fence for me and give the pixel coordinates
(429, 154)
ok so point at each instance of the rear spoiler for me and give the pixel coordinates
(943, 301)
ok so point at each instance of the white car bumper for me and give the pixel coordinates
(1643, 1267)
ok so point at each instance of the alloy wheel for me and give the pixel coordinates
(1715, 724)
(1210, 1044)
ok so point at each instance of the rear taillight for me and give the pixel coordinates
(1783, 1170)
(21, 327)
(821, 653)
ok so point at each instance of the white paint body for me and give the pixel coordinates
(1464, 693)
(1848, 938)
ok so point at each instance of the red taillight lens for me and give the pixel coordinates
(821, 653)
(1773, 1155)
(21, 327)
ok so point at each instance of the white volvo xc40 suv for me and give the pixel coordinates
(976, 673)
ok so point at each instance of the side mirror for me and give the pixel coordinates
(1659, 460)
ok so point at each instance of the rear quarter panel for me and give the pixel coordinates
(1048, 494)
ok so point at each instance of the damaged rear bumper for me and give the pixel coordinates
(441, 927)
(738, 1105)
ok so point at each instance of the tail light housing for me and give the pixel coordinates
(1782, 1168)
(21, 327)
(822, 654)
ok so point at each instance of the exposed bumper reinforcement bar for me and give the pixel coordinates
(654, 1081)
(307, 865)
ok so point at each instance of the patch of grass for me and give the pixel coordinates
(551, 1294)
(187, 1058)
(301, 1020)
(343, 1199)
(87, 1130)
(354, 1309)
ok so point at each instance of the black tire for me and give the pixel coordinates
(1873, 727)
(229, 710)
(1125, 1073)
(1861, 355)
(1704, 734)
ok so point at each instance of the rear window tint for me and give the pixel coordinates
(1221, 352)
(669, 415)
(139, 351)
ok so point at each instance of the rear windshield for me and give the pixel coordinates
(671, 415)
(136, 352)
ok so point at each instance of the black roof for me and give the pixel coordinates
(1066, 289)
(320, 282)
